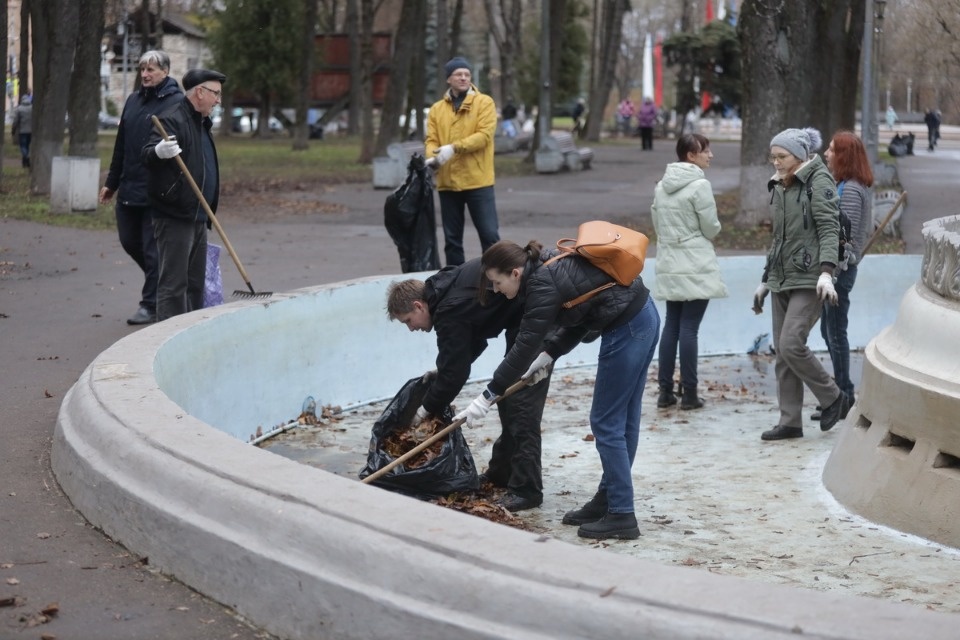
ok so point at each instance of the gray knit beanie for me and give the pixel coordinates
(802, 143)
(459, 62)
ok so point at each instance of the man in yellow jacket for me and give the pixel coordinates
(459, 145)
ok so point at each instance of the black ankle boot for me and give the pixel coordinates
(666, 398)
(612, 525)
(689, 399)
(595, 509)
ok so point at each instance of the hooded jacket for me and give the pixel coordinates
(463, 327)
(169, 191)
(470, 129)
(685, 219)
(127, 173)
(806, 228)
(544, 289)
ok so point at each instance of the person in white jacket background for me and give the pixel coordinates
(688, 274)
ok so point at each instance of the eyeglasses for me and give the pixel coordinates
(213, 91)
(780, 156)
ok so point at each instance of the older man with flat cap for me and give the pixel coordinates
(459, 144)
(180, 222)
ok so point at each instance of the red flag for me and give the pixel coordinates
(658, 72)
(709, 14)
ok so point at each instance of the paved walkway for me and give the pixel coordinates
(64, 296)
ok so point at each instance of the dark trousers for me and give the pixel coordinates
(135, 227)
(483, 211)
(646, 138)
(681, 326)
(182, 245)
(515, 460)
(25, 139)
(833, 328)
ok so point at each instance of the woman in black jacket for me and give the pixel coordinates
(128, 176)
(629, 327)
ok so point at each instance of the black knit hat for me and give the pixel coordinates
(197, 76)
(458, 62)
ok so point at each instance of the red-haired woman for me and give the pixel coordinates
(847, 160)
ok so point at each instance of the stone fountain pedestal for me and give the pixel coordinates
(897, 462)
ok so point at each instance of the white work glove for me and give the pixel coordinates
(539, 370)
(167, 149)
(444, 153)
(476, 412)
(825, 290)
(422, 414)
(758, 296)
(432, 163)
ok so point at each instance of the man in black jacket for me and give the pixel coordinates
(180, 222)
(448, 302)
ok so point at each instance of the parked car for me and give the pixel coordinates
(107, 121)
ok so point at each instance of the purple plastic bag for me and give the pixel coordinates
(213, 282)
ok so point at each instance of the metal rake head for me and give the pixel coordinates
(251, 295)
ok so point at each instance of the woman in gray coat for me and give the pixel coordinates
(688, 274)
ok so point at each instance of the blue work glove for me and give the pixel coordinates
(539, 370)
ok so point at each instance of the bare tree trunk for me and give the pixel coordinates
(456, 26)
(443, 39)
(84, 102)
(353, 33)
(308, 52)
(790, 76)
(23, 72)
(366, 81)
(411, 14)
(418, 80)
(54, 42)
(505, 28)
(610, 42)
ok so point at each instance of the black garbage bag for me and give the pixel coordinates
(897, 146)
(451, 471)
(409, 216)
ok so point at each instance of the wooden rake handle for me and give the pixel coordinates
(889, 216)
(206, 207)
(437, 436)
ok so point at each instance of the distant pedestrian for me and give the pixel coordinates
(891, 117)
(180, 222)
(625, 112)
(578, 110)
(460, 130)
(932, 120)
(22, 129)
(688, 274)
(646, 118)
(128, 175)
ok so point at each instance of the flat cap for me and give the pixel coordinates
(197, 76)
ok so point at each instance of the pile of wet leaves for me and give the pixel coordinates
(483, 504)
(403, 441)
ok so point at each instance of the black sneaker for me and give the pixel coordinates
(595, 509)
(781, 432)
(834, 413)
(142, 316)
(513, 503)
(622, 526)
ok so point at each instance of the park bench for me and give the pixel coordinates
(390, 171)
(558, 151)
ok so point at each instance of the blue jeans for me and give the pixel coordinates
(833, 328)
(625, 356)
(483, 211)
(135, 228)
(24, 139)
(682, 325)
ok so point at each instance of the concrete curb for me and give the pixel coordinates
(306, 554)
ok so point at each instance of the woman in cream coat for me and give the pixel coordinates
(688, 275)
